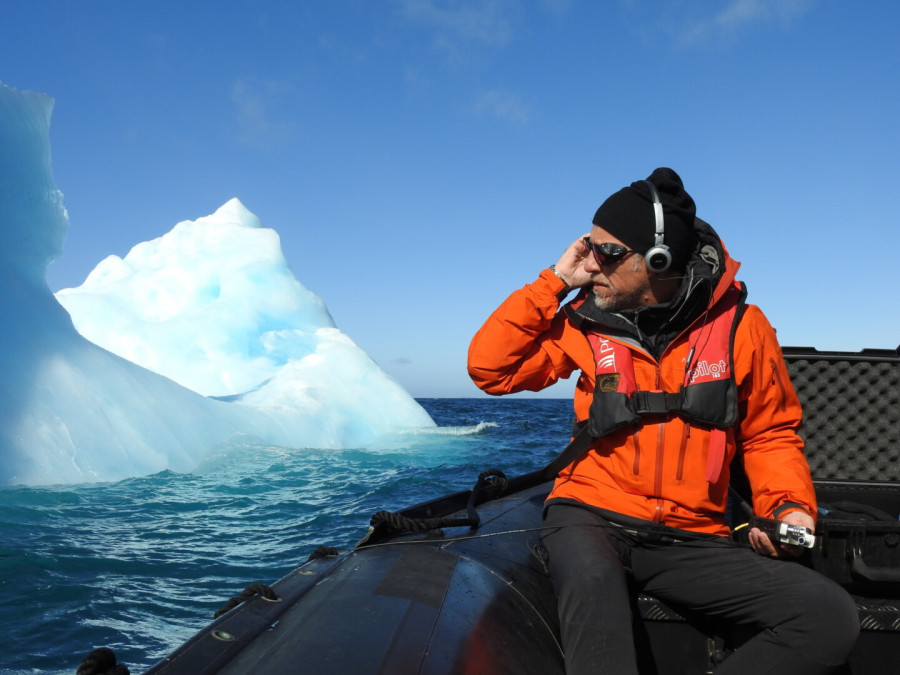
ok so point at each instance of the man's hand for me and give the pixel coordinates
(761, 543)
(571, 263)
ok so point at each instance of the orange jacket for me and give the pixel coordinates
(655, 471)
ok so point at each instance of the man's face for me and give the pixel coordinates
(619, 285)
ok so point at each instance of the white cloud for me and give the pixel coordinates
(485, 21)
(504, 105)
(254, 101)
(459, 27)
(739, 14)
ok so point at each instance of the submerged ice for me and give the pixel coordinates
(186, 344)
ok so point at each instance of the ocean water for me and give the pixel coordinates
(142, 564)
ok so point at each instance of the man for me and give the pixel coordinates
(678, 376)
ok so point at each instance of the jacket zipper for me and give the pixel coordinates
(657, 487)
(682, 451)
(660, 443)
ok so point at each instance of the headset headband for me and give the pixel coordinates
(658, 258)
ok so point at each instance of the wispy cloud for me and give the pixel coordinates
(504, 105)
(255, 102)
(484, 21)
(558, 8)
(738, 14)
(459, 27)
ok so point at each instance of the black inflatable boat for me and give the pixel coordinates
(458, 585)
(448, 600)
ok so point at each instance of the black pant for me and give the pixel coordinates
(804, 623)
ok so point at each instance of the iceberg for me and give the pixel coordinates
(191, 342)
(212, 305)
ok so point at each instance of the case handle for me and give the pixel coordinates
(859, 567)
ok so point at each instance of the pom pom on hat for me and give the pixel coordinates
(628, 216)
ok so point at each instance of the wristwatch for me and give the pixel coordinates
(565, 291)
(553, 269)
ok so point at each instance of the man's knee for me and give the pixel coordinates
(836, 623)
(829, 622)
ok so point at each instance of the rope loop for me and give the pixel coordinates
(397, 522)
(323, 552)
(253, 589)
(492, 481)
(102, 661)
(494, 478)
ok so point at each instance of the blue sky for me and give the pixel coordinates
(421, 159)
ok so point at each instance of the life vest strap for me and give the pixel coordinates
(579, 445)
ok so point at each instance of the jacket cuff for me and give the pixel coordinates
(787, 507)
(558, 287)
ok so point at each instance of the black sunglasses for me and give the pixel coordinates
(607, 253)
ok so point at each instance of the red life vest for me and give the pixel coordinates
(708, 393)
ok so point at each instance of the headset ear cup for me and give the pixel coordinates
(658, 258)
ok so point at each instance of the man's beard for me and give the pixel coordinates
(607, 304)
(615, 301)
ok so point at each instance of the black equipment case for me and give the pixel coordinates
(851, 426)
(851, 406)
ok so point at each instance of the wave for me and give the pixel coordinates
(466, 430)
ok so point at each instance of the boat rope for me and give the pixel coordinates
(249, 592)
(492, 479)
(687, 536)
(464, 537)
(102, 661)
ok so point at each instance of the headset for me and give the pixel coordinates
(659, 257)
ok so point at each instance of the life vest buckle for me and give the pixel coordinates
(655, 402)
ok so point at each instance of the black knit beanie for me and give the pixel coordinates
(628, 216)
